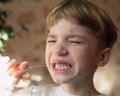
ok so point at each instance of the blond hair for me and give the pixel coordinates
(87, 14)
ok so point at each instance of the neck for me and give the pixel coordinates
(81, 87)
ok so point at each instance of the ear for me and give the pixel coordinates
(104, 57)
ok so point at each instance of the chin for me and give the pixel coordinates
(61, 80)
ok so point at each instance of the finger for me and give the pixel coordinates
(16, 81)
(19, 74)
(12, 63)
(24, 65)
(14, 69)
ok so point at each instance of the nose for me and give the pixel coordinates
(60, 49)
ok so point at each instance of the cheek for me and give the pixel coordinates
(83, 64)
(47, 53)
(82, 58)
(80, 55)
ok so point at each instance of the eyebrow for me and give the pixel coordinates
(69, 37)
(51, 35)
(76, 36)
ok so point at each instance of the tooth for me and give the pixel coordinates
(62, 66)
(65, 67)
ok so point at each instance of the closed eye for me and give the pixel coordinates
(51, 41)
(76, 42)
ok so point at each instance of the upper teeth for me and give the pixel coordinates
(62, 66)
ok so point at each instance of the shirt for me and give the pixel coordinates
(42, 91)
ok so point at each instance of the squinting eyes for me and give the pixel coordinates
(51, 41)
(69, 41)
(76, 42)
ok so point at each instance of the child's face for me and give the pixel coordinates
(71, 52)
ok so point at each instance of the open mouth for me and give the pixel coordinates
(62, 66)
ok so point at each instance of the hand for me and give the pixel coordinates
(11, 71)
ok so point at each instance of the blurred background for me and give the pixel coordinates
(27, 20)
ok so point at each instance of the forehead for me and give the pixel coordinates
(64, 26)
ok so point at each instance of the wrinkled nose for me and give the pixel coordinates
(60, 49)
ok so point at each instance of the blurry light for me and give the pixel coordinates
(104, 81)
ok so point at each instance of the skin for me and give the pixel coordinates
(16, 69)
(75, 52)
(72, 45)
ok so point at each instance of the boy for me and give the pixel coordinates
(80, 38)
